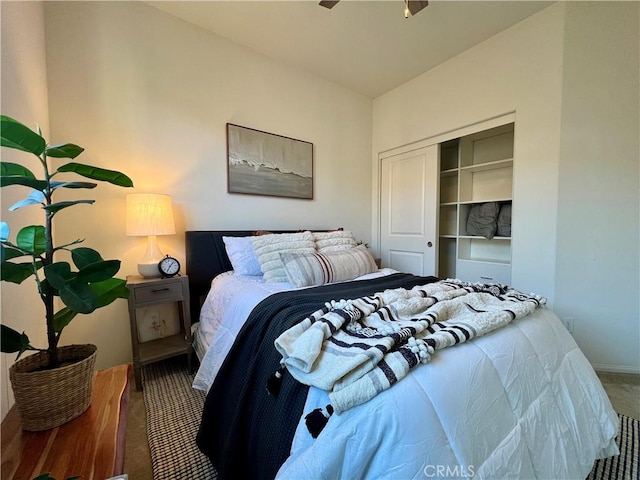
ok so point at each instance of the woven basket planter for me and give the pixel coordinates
(49, 398)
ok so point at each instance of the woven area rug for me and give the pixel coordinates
(624, 466)
(173, 417)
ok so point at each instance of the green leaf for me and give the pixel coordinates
(47, 476)
(62, 318)
(32, 239)
(99, 271)
(8, 169)
(17, 272)
(13, 134)
(91, 266)
(66, 150)
(59, 274)
(36, 197)
(47, 288)
(8, 252)
(26, 181)
(85, 256)
(56, 207)
(110, 290)
(79, 297)
(106, 292)
(55, 185)
(96, 173)
(12, 341)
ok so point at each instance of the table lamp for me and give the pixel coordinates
(150, 214)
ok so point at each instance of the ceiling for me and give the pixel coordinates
(366, 46)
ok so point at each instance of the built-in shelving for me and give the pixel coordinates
(474, 169)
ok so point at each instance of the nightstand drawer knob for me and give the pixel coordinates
(159, 290)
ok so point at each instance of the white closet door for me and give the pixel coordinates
(409, 201)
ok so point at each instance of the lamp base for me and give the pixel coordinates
(149, 270)
(148, 266)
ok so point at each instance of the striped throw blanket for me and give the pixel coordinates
(357, 348)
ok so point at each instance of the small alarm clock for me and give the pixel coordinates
(169, 266)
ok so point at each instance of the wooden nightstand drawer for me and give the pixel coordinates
(165, 292)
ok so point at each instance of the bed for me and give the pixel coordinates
(519, 402)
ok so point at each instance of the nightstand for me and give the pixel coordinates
(145, 292)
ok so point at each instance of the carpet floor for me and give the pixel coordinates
(174, 410)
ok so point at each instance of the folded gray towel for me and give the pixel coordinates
(482, 220)
(504, 221)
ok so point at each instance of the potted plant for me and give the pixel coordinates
(53, 385)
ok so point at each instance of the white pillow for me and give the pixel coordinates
(307, 269)
(269, 247)
(242, 255)
(334, 241)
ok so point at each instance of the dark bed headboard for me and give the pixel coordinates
(206, 258)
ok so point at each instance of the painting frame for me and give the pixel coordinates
(268, 164)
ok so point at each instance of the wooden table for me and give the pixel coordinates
(91, 445)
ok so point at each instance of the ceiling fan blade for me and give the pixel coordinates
(329, 3)
(415, 5)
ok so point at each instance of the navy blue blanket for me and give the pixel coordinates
(246, 431)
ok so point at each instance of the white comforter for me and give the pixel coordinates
(521, 402)
(224, 311)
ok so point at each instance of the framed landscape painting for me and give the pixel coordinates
(261, 163)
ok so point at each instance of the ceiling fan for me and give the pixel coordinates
(410, 6)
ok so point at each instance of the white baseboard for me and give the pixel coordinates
(606, 368)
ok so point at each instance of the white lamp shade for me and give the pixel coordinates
(149, 214)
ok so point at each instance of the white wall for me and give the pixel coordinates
(24, 97)
(570, 73)
(598, 265)
(518, 70)
(148, 94)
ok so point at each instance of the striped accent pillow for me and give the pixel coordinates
(307, 269)
(269, 247)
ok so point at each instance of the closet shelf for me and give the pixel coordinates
(490, 261)
(485, 200)
(478, 237)
(481, 167)
(475, 169)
